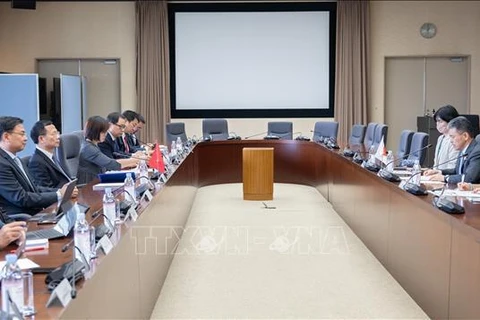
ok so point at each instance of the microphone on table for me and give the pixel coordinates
(419, 190)
(446, 205)
(233, 136)
(329, 141)
(207, 138)
(301, 137)
(256, 135)
(392, 177)
(278, 136)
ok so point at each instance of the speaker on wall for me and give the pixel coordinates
(24, 4)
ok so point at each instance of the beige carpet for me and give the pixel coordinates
(238, 259)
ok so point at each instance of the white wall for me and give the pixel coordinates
(70, 30)
(395, 29)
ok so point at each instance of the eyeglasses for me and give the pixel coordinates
(121, 126)
(23, 133)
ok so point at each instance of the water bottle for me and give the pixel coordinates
(417, 172)
(371, 155)
(179, 145)
(13, 283)
(129, 187)
(81, 237)
(143, 169)
(109, 208)
(173, 149)
(390, 161)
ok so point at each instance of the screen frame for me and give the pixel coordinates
(173, 8)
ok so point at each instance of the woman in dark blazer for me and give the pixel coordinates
(92, 160)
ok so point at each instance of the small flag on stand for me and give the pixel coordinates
(156, 161)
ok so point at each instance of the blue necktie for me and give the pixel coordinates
(460, 165)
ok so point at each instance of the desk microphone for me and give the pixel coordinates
(419, 190)
(278, 136)
(301, 137)
(233, 136)
(256, 135)
(446, 205)
(392, 177)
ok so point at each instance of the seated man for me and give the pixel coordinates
(116, 127)
(43, 166)
(131, 123)
(18, 192)
(467, 169)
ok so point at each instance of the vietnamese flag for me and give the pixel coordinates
(156, 161)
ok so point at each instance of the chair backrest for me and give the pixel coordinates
(175, 130)
(80, 134)
(325, 129)
(419, 141)
(381, 130)
(25, 161)
(474, 120)
(281, 129)
(357, 135)
(217, 129)
(404, 146)
(68, 153)
(370, 135)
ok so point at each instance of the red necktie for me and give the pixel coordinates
(125, 144)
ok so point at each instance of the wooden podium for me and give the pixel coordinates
(257, 174)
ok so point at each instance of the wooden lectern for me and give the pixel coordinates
(257, 173)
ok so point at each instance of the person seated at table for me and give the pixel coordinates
(92, 160)
(10, 230)
(18, 191)
(43, 165)
(110, 147)
(444, 151)
(467, 167)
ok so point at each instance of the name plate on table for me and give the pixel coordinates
(147, 195)
(105, 244)
(62, 293)
(132, 213)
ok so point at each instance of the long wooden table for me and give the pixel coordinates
(433, 255)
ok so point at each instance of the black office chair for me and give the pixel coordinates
(281, 129)
(370, 135)
(357, 135)
(405, 144)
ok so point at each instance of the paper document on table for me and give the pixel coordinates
(402, 172)
(456, 193)
(24, 264)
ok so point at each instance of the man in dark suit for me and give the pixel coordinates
(109, 146)
(467, 169)
(18, 192)
(124, 141)
(43, 166)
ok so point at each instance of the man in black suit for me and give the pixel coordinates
(467, 169)
(18, 192)
(109, 147)
(44, 166)
(124, 141)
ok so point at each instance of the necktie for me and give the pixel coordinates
(460, 165)
(59, 167)
(125, 143)
(18, 162)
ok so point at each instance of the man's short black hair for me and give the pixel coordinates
(130, 115)
(461, 124)
(140, 118)
(38, 129)
(7, 124)
(114, 116)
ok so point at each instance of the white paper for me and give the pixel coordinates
(132, 213)
(23, 263)
(148, 195)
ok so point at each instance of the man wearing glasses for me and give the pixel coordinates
(44, 165)
(18, 192)
(109, 147)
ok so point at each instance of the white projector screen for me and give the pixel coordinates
(252, 60)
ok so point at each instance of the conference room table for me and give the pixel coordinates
(433, 255)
